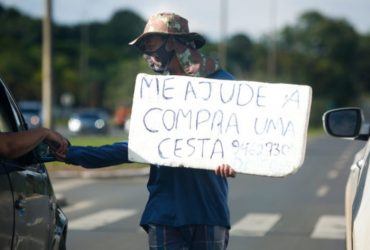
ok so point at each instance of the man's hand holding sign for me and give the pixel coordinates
(257, 128)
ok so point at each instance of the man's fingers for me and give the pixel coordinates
(232, 172)
(60, 156)
(63, 146)
(225, 170)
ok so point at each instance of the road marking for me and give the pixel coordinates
(254, 224)
(329, 227)
(78, 206)
(141, 230)
(345, 157)
(322, 191)
(333, 174)
(100, 219)
(65, 185)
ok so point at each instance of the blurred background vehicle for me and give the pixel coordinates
(89, 121)
(30, 217)
(32, 113)
(349, 123)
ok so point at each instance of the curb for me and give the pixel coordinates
(94, 174)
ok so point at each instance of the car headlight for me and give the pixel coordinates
(35, 120)
(74, 125)
(99, 124)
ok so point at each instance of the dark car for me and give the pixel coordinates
(32, 113)
(91, 121)
(349, 123)
(30, 217)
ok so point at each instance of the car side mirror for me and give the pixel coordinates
(346, 123)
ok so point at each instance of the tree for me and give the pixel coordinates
(240, 55)
(120, 89)
(325, 48)
(87, 53)
(362, 64)
(20, 62)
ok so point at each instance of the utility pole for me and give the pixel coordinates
(47, 67)
(84, 62)
(223, 27)
(272, 56)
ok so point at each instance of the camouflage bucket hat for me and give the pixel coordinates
(170, 24)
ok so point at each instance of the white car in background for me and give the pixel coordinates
(348, 123)
(89, 121)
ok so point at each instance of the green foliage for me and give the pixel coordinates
(321, 52)
(362, 64)
(240, 55)
(20, 63)
(120, 89)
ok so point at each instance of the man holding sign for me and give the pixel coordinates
(187, 208)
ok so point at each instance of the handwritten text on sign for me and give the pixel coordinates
(257, 128)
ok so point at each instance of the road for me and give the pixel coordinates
(303, 211)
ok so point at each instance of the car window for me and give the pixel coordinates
(4, 121)
(10, 121)
(16, 114)
(6, 124)
(17, 118)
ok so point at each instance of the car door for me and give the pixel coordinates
(361, 207)
(350, 192)
(6, 196)
(32, 214)
(33, 205)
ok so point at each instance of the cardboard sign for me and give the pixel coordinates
(257, 128)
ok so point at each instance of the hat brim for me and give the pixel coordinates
(198, 39)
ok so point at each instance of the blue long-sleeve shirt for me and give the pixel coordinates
(177, 196)
(98, 157)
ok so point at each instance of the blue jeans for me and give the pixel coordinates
(191, 237)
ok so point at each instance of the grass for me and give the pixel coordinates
(314, 132)
(95, 140)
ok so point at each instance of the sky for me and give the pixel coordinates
(253, 18)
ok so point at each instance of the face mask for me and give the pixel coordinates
(155, 66)
(162, 56)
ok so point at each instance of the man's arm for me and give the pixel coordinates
(15, 144)
(97, 157)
